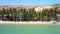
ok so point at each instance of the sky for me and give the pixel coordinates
(29, 2)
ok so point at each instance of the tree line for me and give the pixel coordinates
(22, 14)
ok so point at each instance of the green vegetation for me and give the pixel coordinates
(29, 15)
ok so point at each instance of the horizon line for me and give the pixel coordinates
(28, 5)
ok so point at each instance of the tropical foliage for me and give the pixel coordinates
(29, 15)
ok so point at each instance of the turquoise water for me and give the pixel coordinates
(29, 29)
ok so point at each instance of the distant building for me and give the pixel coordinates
(21, 16)
(58, 17)
(4, 17)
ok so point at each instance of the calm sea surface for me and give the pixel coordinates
(29, 29)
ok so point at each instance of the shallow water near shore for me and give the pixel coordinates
(29, 29)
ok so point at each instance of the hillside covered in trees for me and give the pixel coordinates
(23, 14)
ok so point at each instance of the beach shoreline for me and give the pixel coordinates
(28, 23)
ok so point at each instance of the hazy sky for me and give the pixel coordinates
(29, 2)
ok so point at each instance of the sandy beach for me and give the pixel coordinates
(25, 22)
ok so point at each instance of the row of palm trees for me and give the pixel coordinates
(22, 14)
